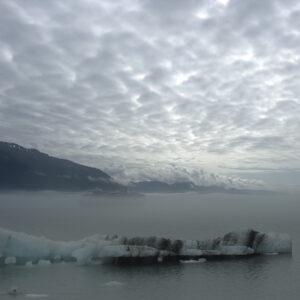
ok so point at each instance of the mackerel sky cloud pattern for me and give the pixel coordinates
(151, 89)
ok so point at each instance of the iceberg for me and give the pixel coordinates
(21, 248)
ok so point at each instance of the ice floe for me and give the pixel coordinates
(22, 248)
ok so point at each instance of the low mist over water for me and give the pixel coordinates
(186, 215)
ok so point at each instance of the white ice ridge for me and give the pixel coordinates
(20, 248)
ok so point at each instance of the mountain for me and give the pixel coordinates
(29, 169)
(183, 187)
(161, 187)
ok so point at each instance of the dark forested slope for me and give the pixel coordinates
(22, 168)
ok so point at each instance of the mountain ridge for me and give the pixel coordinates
(29, 169)
(25, 168)
(154, 186)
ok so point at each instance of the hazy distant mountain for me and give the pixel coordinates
(161, 187)
(182, 187)
(22, 168)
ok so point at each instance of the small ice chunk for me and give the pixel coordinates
(37, 295)
(114, 283)
(193, 261)
(44, 262)
(28, 264)
(160, 259)
(10, 260)
(57, 258)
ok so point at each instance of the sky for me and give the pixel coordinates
(204, 90)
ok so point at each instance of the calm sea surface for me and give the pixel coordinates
(70, 216)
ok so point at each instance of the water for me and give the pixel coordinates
(67, 216)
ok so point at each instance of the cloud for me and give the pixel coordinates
(192, 83)
(172, 173)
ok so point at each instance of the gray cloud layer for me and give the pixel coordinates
(196, 84)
